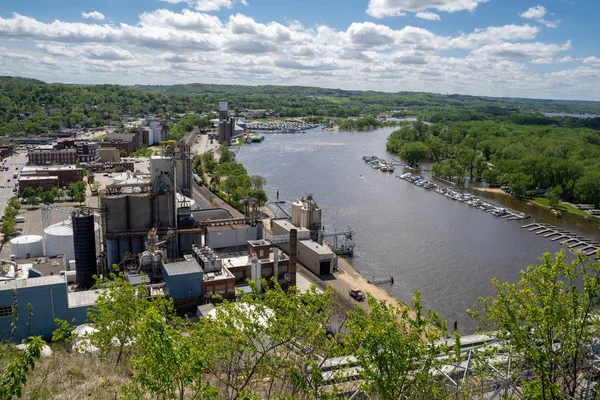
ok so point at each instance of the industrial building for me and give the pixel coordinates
(64, 175)
(228, 126)
(317, 258)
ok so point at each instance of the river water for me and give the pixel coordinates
(446, 249)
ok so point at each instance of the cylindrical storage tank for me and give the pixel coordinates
(124, 247)
(59, 240)
(84, 246)
(137, 245)
(140, 212)
(116, 213)
(165, 210)
(27, 246)
(112, 252)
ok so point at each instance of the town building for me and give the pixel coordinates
(49, 155)
(65, 174)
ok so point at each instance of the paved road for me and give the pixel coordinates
(7, 181)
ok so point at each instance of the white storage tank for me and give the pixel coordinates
(27, 246)
(59, 240)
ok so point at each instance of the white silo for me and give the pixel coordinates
(59, 240)
(27, 246)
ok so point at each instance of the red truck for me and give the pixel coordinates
(357, 294)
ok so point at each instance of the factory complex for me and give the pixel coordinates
(152, 232)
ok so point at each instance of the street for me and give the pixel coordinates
(7, 180)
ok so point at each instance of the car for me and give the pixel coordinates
(357, 294)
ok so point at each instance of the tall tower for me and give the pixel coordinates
(224, 124)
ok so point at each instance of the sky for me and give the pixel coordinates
(509, 48)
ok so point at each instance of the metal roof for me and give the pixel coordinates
(210, 214)
(182, 268)
(32, 282)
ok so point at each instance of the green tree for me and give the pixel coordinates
(226, 155)
(396, 349)
(554, 195)
(414, 152)
(14, 203)
(548, 319)
(230, 185)
(33, 201)
(169, 362)
(9, 227)
(14, 377)
(251, 346)
(259, 196)
(257, 182)
(47, 197)
(587, 188)
(28, 193)
(115, 315)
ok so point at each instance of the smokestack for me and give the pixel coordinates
(276, 263)
(293, 256)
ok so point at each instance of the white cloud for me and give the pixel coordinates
(208, 5)
(428, 15)
(186, 20)
(166, 46)
(98, 16)
(93, 51)
(592, 61)
(521, 51)
(538, 13)
(392, 8)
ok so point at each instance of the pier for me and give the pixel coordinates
(571, 240)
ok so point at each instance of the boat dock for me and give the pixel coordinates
(571, 240)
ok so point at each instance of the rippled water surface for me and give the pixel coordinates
(446, 249)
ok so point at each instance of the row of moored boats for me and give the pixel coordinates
(377, 163)
(281, 127)
(462, 197)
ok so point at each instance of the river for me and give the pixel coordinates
(446, 249)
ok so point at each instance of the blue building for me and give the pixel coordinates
(49, 299)
(184, 281)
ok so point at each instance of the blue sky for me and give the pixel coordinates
(540, 49)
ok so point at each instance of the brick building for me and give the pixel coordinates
(44, 182)
(65, 175)
(48, 155)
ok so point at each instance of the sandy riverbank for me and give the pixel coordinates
(346, 278)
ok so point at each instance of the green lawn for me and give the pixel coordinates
(563, 207)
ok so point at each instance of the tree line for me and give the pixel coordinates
(564, 161)
(229, 177)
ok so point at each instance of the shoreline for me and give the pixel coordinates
(541, 206)
(346, 277)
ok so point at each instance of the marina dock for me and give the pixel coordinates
(571, 240)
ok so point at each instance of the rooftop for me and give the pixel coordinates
(211, 214)
(287, 225)
(182, 268)
(38, 178)
(83, 298)
(218, 276)
(316, 247)
(36, 168)
(32, 282)
(227, 227)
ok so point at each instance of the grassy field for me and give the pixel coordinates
(563, 207)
